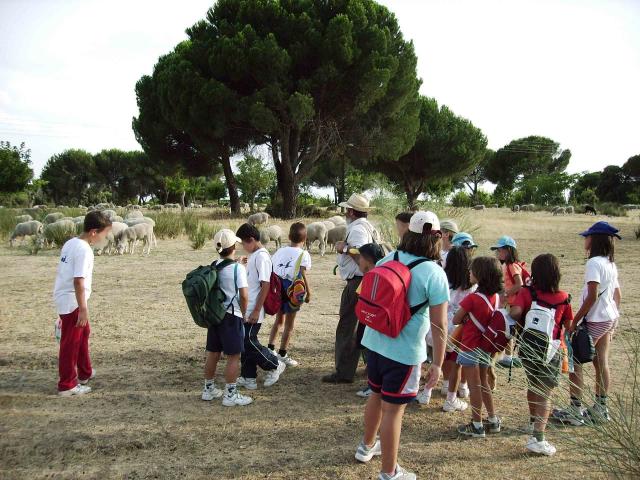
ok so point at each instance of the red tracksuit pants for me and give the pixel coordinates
(73, 361)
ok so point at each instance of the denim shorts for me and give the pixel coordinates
(474, 357)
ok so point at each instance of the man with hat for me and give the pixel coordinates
(359, 233)
(448, 228)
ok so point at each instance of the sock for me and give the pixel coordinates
(493, 419)
(463, 386)
(230, 388)
(601, 400)
(451, 396)
(477, 424)
(539, 436)
(427, 391)
(575, 402)
(271, 346)
(445, 384)
(282, 353)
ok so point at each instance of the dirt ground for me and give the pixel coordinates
(144, 417)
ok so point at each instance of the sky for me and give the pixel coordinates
(565, 69)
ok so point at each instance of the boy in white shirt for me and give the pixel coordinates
(259, 268)
(284, 264)
(228, 337)
(71, 292)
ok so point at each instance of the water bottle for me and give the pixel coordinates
(57, 329)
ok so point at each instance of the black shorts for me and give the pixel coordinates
(228, 337)
(394, 381)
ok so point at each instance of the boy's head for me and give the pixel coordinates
(225, 242)
(249, 236)
(298, 233)
(370, 254)
(486, 272)
(402, 223)
(96, 226)
(545, 273)
(449, 228)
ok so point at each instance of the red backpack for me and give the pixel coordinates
(497, 333)
(273, 302)
(526, 276)
(383, 304)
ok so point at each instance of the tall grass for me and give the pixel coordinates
(191, 223)
(168, 224)
(611, 209)
(200, 235)
(7, 222)
(59, 236)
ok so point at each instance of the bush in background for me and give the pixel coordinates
(168, 224)
(199, 235)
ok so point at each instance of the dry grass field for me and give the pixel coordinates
(145, 419)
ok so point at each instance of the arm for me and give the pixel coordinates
(262, 296)
(458, 317)
(617, 297)
(83, 313)
(244, 300)
(438, 317)
(592, 298)
(517, 285)
(516, 313)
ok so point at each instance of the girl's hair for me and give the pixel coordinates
(513, 254)
(545, 273)
(404, 217)
(457, 268)
(297, 232)
(227, 251)
(421, 245)
(602, 245)
(488, 273)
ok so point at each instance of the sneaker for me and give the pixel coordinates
(424, 397)
(209, 392)
(494, 427)
(400, 474)
(471, 430)
(463, 391)
(365, 453)
(364, 392)
(542, 448)
(248, 383)
(287, 360)
(273, 376)
(77, 390)
(598, 413)
(454, 405)
(93, 375)
(573, 415)
(236, 399)
(445, 387)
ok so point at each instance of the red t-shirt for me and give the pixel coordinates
(475, 304)
(563, 312)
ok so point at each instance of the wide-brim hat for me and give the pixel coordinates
(356, 202)
(603, 228)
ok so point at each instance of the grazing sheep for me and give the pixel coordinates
(133, 214)
(515, 208)
(271, 233)
(156, 207)
(317, 231)
(494, 205)
(329, 224)
(24, 229)
(590, 209)
(559, 211)
(110, 214)
(55, 230)
(195, 205)
(630, 206)
(335, 235)
(109, 244)
(133, 207)
(479, 207)
(79, 219)
(259, 218)
(23, 218)
(337, 220)
(148, 221)
(102, 206)
(53, 217)
(570, 210)
(130, 236)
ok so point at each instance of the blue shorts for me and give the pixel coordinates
(228, 337)
(475, 357)
(286, 306)
(394, 381)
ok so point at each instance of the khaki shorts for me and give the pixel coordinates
(543, 376)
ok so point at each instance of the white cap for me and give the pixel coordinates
(225, 238)
(419, 219)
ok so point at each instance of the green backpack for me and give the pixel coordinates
(204, 296)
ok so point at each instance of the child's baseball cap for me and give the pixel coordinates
(504, 241)
(463, 239)
(372, 251)
(603, 228)
(420, 219)
(225, 238)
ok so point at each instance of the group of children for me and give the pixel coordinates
(454, 292)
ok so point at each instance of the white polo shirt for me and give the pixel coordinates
(605, 272)
(359, 233)
(76, 261)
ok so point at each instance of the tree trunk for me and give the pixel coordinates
(232, 187)
(411, 198)
(184, 193)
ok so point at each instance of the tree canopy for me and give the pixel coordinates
(15, 167)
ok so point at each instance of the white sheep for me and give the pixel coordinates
(317, 231)
(337, 220)
(24, 229)
(56, 229)
(110, 214)
(335, 235)
(271, 233)
(479, 207)
(559, 211)
(329, 224)
(515, 208)
(570, 210)
(130, 236)
(260, 218)
(156, 207)
(23, 218)
(133, 214)
(53, 217)
(148, 221)
(109, 244)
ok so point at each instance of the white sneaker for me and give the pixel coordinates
(445, 387)
(364, 392)
(273, 376)
(424, 397)
(463, 391)
(248, 383)
(236, 399)
(400, 474)
(542, 448)
(93, 375)
(209, 392)
(287, 360)
(454, 405)
(365, 453)
(77, 390)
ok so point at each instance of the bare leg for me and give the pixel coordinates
(232, 369)
(372, 418)
(289, 324)
(211, 364)
(601, 364)
(454, 377)
(541, 407)
(575, 379)
(472, 374)
(275, 329)
(487, 396)
(390, 429)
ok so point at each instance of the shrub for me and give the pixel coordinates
(611, 209)
(200, 235)
(191, 222)
(7, 222)
(461, 199)
(59, 236)
(34, 244)
(168, 224)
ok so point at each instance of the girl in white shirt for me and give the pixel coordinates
(600, 302)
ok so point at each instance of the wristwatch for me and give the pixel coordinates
(345, 249)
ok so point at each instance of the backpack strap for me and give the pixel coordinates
(476, 322)
(235, 282)
(296, 269)
(486, 300)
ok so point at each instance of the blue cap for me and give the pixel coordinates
(602, 228)
(463, 239)
(504, 241)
